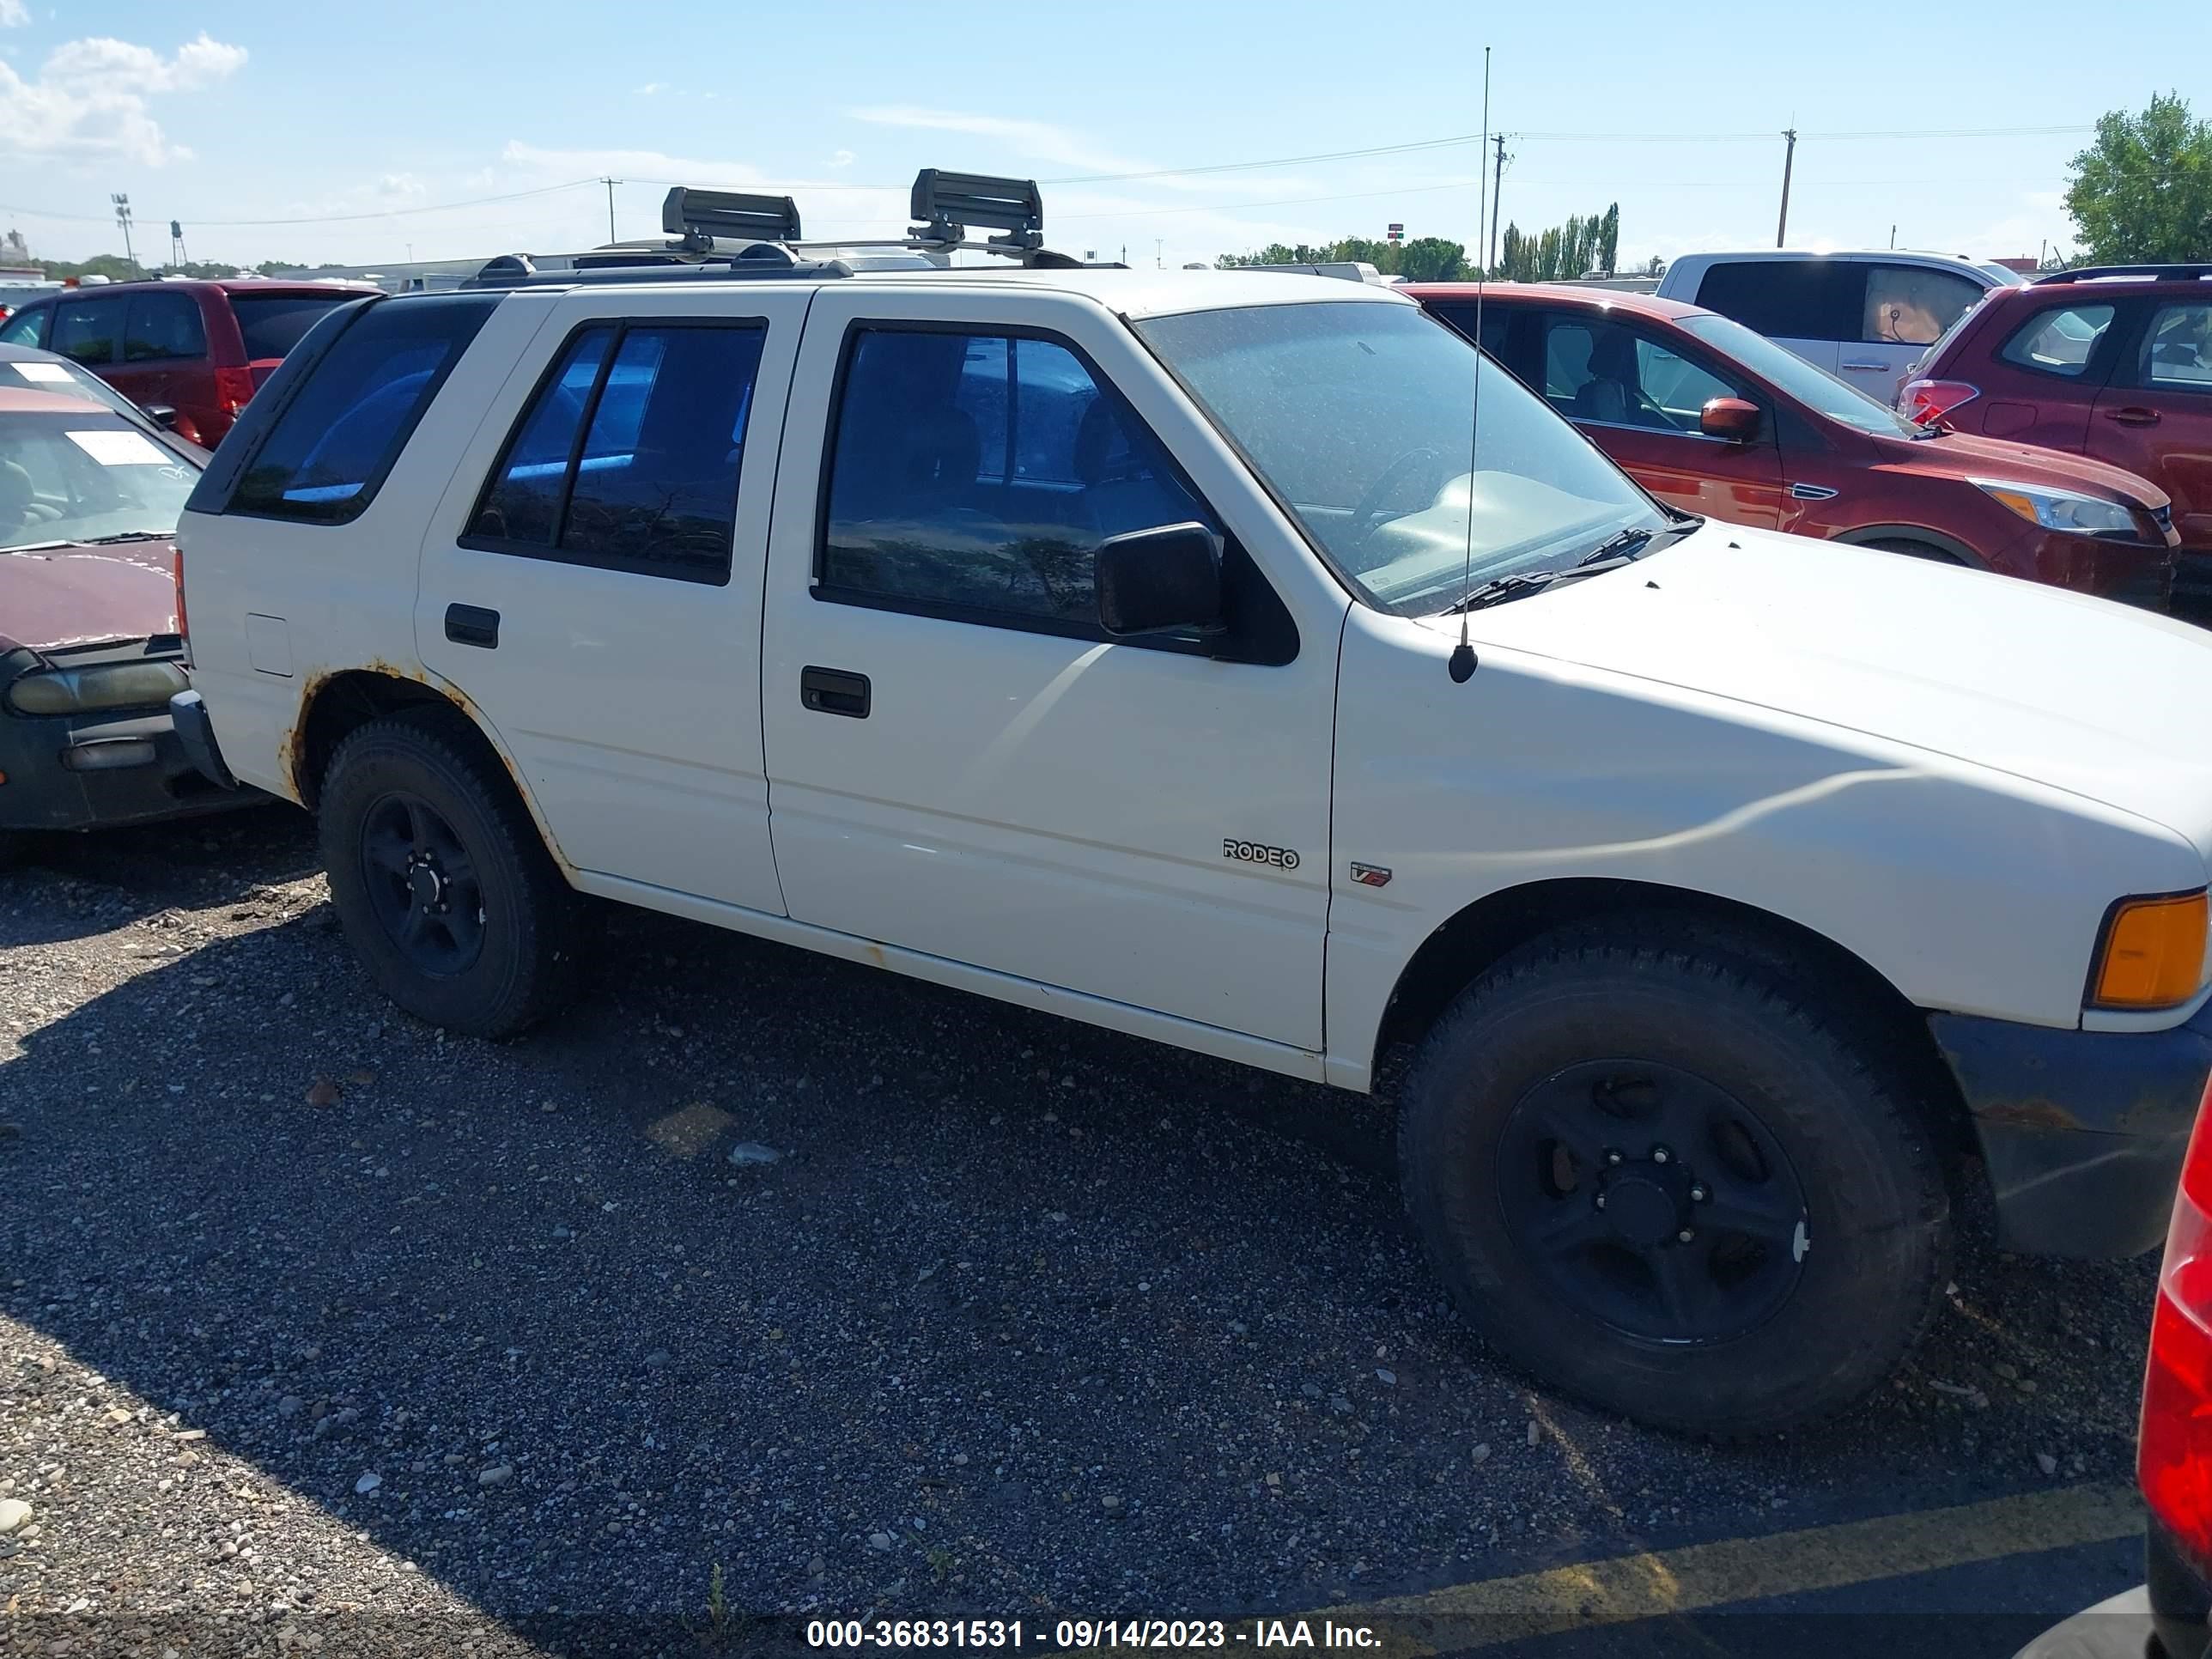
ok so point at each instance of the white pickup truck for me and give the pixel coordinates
(1092, 639)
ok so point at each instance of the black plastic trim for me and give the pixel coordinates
(196, 735)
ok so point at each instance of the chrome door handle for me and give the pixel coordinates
(1877, 367)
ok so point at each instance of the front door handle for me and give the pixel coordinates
(2133, 414)
(472, 624)
(834, 691)
(1876, 367)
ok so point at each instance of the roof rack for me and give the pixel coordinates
(2183, 273)
(723, 235)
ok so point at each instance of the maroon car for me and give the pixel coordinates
(1714, 419)
(90, 641)
(2114, 363)
(201, 349)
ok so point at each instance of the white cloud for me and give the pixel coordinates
(90, 99)
(843, 158)
(649, 89)
(13, 14)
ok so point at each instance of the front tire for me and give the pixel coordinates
(1654, 1174)
(442, 880)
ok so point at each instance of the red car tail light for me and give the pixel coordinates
(1926, 402)
(177, 576)
(2174, 1455)
(233, 387)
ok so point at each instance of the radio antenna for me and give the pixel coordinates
(1461, 663)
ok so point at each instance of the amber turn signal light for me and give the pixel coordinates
(2154, 953)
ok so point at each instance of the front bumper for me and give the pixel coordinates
(2082, 1132)
(2128, 572)
(53, 780)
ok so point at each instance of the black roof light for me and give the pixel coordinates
(701, 215)
(945, 204)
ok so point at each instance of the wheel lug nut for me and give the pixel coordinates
(1697, 1195)
(1613, 1157)
(1684, 1236)
(1659, 1154)
(1601, 1200)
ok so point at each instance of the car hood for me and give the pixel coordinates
(55, 598)
(1966, 455)
(2074, 693)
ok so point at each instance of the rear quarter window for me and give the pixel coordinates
(328, 448)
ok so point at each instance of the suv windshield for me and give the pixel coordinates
(273, 323)
(1815, 388)
(1357, 417)
(81, 477)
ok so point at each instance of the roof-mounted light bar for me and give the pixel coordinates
(701, 215)
(945, 204)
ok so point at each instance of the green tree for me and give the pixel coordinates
(2142, 192)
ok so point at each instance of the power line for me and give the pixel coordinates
(322, 218)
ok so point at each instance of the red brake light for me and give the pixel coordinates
(2173, 1453)
(177, 576)
(233, 387)
(1926, 402)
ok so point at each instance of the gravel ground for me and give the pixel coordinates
(305, 1309)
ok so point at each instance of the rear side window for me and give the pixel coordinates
(2059, 340)
(272, 324)
(327, 452)
(628, 456)
(1788, 298)
(975, 476)
(2177, 350)
(86, 330)
(29, 329)
(163, 325)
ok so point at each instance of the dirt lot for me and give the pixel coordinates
(305, 1309)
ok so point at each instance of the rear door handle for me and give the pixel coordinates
(834, 691)
(1875, 367)
(2133, 414)
(472, 624)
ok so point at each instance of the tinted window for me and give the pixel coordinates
(273, 323)
(327, 452)
(979, 473)
(2059, 340)
(1793, 376)
(160, 325)
(86, 328)
(628, 456)
(2177, 351)
(29, 329)
(1910, 305)
(1788, 298)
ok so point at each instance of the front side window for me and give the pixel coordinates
(1910, 305)
(2059, 340)
(1606, 373)
(83, 478)
(326, 454)
(87, 329)
(2177, 350)
(163, 325)
(1358, 416)
(978, 474)
(629, 455)
(1791, 374)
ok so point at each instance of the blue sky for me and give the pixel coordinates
(234, 111)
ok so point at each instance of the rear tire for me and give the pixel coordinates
(1604, 1092)
(442, 880)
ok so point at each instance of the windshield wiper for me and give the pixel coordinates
(128, 535)
(1522, 584)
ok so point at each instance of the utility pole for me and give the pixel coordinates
(123, 218)
(1789, 157)
(1892, 236)
(1159, 252)
(1494, 190)
(610, 183)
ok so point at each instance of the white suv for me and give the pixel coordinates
(1091, 639)
(1867, 318)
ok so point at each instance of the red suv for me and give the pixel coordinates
(1714, 419)
(199, 348)
(2114, 363)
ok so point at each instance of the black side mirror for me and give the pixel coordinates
(161, 415)
(1154, 581)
